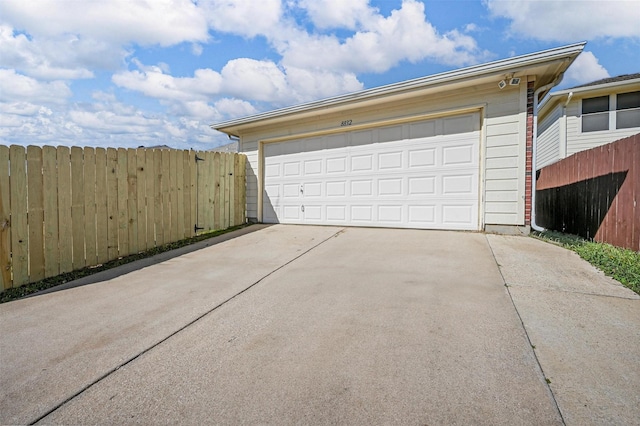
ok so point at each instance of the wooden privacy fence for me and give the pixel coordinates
(594, 194)
(63, 209)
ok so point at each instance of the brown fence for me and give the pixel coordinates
(63, 209)
(594, 194)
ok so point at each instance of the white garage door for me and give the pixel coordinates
(415, 175)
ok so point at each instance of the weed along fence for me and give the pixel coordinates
(63, 209)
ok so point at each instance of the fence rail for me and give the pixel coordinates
(594, 194)
(63, 209)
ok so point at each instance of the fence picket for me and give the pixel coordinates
(192, 182)
(157, 197)
(112, 203)
(178, 182)
(150, 180)
(227, 188)
(89, 177)
(132, 201)
(215, 181)
(102, 206)
(123, 212)
(35, 213)
(5, 212)
(186, 193)
(19, 230)
(166, 198)
(65, 235)
(173, 194)
(141, 210)
(51, 225)
(77, 207)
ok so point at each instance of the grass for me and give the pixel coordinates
(27, 289)
(618, 263)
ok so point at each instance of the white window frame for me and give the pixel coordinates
(613, 104)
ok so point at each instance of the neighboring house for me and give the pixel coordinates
(230, 147)
(447, 151)
(587, 116)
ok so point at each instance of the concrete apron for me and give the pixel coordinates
(370, 326)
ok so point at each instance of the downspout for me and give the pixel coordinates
(534, 151)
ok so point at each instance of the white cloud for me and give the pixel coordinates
(153, 82)
(569, 21)
(242, 17)
(234, 108)
(17, 87)
(585, 69)
(382, 43)
(62, 58)
(255, 80)
(339, 13)
(243, 78)
(145, 22)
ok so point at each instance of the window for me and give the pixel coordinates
(628, 110)
(621, 111)
(595, 114)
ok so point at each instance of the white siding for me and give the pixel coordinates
(548, 149)
(578, 141)
(503, 146)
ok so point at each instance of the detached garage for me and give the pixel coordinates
(448, 151)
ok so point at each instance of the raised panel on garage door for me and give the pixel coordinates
(416, 175)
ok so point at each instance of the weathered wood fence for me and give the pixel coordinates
(63, 209)
(594, 194)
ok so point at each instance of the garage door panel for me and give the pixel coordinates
(361, 213)
(390, 213)
(362, 163)
(422, 185)
(291, 212)
(312, 189)
(458, 184)
(313, 167)
(390, 161)
(376, 178)
(422, 157)
(337, 213)
(457, 214)
(362, 187)
(422, 214)
(337, 165)
(422, 129)
(389, 187)
(388, 134)
(461, 154)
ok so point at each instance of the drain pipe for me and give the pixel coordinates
(534, 151)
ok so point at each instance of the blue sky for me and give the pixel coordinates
(127, 73)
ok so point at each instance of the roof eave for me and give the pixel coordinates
(519, 63)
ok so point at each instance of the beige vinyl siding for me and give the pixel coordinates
(503, 152)
(548, 149)
(578, 141)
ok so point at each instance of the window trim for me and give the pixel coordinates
(612, 113)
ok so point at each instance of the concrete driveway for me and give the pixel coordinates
(322, 325)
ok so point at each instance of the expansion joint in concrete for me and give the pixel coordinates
(524, 329)
(184, 327)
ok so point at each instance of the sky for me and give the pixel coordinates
(129, 73)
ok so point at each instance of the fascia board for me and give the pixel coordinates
(569, 52)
